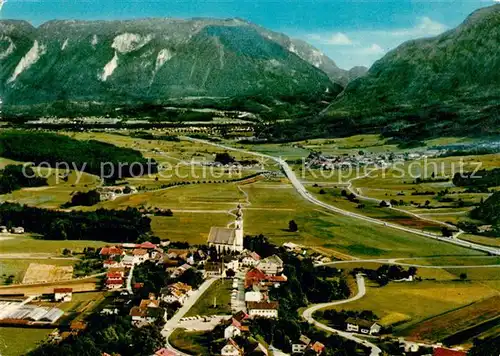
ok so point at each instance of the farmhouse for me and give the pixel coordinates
(140, 255)
(234, 329)
(362, 326)
(316, 348)
(250, 259)
(63, 294)
(256, 277)
(231, 349)
(114, 283)
(213, 269)
(271, 265)
(147, 312)
(177, 292)
(253, 296)
(263, 309)
(129, 261)
(111, 252)
(179, 271)
(301, 345)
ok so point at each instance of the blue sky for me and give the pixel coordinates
(351, 32)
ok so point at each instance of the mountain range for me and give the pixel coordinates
(156, 59)
(442, 85)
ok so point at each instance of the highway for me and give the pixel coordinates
(308, 315)
(299, 187)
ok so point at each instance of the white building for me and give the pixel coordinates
(17, 230)
(362, 326)
(250, 259)
(271, 265)
(263, 309)
(301, 345)
(253, 296)
(226, 239)
(63, 294)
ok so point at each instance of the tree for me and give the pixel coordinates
(446, 232)
(292, 226)
(230, 273)
(383, 204)
(191, 277)
(322, 191)
(463, 276)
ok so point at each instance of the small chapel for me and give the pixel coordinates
(228, 239)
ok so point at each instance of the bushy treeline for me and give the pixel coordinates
(386, 273)
(103, 225)
(482, 178)
(14, 177)
(113, 334)
(488, 346)
(489, 210)
(91, 156)
(89, 198)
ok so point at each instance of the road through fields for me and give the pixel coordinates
(299, 187)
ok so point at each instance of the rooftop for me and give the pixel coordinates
(221, 235)
(263, 305)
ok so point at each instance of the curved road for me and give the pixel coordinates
(308, 315)
(308, 196)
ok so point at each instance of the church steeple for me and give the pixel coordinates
(238, 229)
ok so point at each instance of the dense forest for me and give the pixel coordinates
(103, 225)
(89, 198)
(91, 156)
(481, 179)
(14, 177)
(489, 210)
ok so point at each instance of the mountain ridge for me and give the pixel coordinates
(153, 59)
(442, 83)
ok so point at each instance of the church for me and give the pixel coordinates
(226, 239)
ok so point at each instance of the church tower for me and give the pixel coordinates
(238, 230)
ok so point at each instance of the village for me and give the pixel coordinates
(189, 271)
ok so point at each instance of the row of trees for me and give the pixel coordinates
(105, 225)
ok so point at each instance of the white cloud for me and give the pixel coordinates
(339, 39)
(373, 49)
(335, 39)
(363, 47)
(425, 27)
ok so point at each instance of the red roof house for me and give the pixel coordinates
(439, 351)
(147, 245)
(111, 251)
